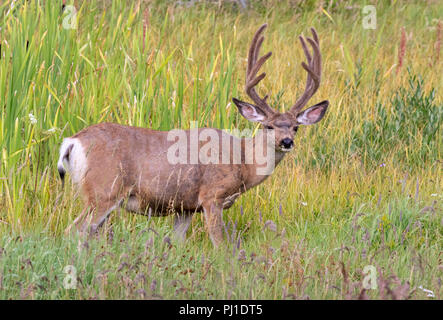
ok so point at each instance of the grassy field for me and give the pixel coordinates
(363, 188)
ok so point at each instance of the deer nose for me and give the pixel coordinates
(287, 143)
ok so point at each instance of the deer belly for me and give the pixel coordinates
(158, 205)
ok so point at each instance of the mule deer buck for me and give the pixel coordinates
(130, 167)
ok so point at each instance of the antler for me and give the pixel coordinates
(253, 66)
(314, 71)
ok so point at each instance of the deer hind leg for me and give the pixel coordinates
(213, 213)
(98, 207)
(77, 222)
(181, 225)
(95, 216)
(102, 194)
(91, 218)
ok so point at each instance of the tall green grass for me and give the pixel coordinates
(363, 187)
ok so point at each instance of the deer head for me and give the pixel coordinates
(285, 125)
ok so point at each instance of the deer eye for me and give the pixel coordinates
(269, 127)
(295, 129)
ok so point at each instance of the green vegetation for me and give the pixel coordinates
(363, 187)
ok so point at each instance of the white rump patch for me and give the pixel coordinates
(76, 162)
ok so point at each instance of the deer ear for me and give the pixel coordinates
(313, 114)
(249, 112)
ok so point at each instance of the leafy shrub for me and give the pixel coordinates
(411, 127)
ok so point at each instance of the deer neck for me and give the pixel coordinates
(262, 165)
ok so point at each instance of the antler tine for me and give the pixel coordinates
(315, 35)
(253, 66)
(258, 47)
(252, 57)
(308, 57)
(313, 68)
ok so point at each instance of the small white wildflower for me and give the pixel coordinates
(434, 195)
(304, 203)
(32, 119)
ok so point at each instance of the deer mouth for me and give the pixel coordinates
(284, 149)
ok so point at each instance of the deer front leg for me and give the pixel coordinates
(214, 221)
(181, 225)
